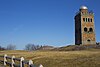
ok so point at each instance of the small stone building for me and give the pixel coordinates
(46, 48)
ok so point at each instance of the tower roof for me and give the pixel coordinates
(83, 7)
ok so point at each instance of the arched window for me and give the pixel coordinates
(84, 19)
(88, 19)
(85, 29)
(90, 30)
(88, 40)
(91, 20)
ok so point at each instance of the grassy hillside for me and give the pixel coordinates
(86, 58)
(77, 47)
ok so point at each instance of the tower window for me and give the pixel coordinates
(90, 30)
(82, 12)
(85, 29)
(88, 40)
(91, 20)
(88, 19)
(84, 19)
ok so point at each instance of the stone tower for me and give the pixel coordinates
(84, 27)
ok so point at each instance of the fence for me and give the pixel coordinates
(16, 62)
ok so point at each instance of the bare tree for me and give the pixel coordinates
(11, 47)
(31, 47)
(28, 47)
(2, 48)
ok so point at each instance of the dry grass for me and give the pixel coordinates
(86, 58)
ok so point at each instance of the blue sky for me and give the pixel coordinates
(43, 22)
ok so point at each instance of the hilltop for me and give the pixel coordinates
(77, 47)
